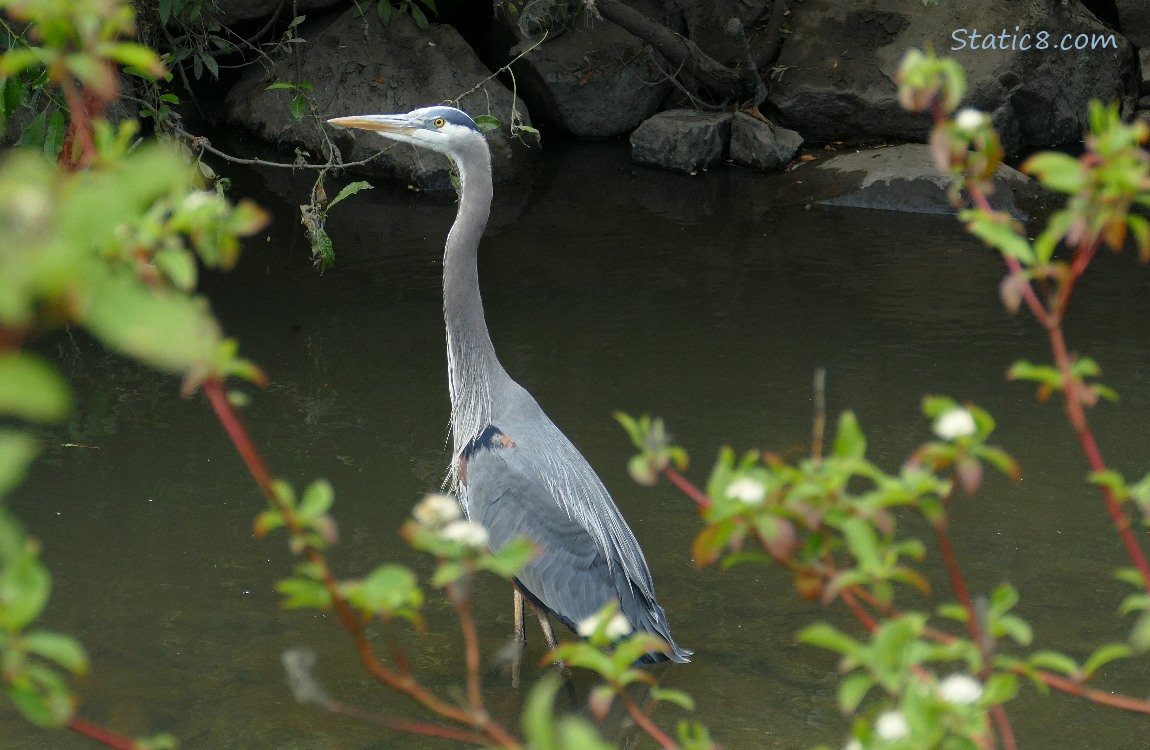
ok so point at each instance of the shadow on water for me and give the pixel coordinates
(707, 300)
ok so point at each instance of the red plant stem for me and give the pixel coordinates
(1051, 320)
(412, 727)
(1067, 685)
(403, 683)
(858, 611)
(961, 592)
(100, 734)
(235, 429)
(1002, 723)
(396, 649)
(701, 500)
(79, 129)
(471, 649)
(643, 721)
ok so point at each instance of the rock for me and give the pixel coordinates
(593, 80)
(358, 66)
(1134, 20)
(228, 13)
(835, 77)
(682, 140)
(905, 178)
(1144, 66)
(760, 144)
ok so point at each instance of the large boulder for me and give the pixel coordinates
(760, 144)
(356, 65)
(682, 140)
(590, 78)
(835, 78)
(1134, 19)
(229, 13)
(905, 178)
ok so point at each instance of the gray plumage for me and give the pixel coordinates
(513, 471)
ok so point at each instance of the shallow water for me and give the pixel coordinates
(707, 300)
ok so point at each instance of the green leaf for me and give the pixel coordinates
(1015, 627)
(136, 56)
(209, 63)
(168, 331)
(348, 190)
(1057, 171)
(61, 649)
(488, 123)
(317, 499)
(862, 540)
(54, 135)
(383, 10)
(32, 389)
(510, 558)
(278, 85)
(1103, 655)
(1130, 576)
(849, 440)
(852, 690)
(298, 107)
(15, 61)
(418, 16)
(1000, 231)
(17, 450)
(934, 406)
(678, 697)
(1054, 661)
(165, 10)
(1000, 688)
(1140, 635)
(387, 589)
(829, 637)
(301, 593)
(44, 709)
(179, 266)
(24, 589)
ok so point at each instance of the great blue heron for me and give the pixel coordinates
(513, 471)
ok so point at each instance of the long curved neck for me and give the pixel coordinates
(473, 369)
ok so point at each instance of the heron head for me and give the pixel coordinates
(437, 128)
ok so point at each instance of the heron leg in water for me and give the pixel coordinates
(521, 635)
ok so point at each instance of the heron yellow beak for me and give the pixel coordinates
(382, 123)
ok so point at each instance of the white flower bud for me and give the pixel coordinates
(750, 491)
(891, 725)
(466, 533)
(435, 510)
(955, 423)
(969, 119)
(960, 688)
(617, 627)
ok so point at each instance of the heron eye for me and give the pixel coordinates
(440, 122)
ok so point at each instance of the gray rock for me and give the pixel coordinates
(682, 140)
(363, 68)
(1144, 66)
(232, 12)
(762, 145)
(1134, 18)
(594, 80)
(905, 178)
(835, 78)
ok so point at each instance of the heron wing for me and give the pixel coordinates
(588, 555)
(571, 576)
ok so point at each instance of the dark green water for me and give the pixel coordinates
(707, 300)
